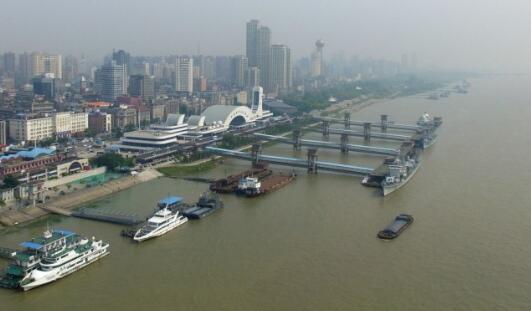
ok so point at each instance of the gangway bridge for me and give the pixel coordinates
(383, 124)
(311, 163)
(344, 146)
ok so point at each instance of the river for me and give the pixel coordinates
(312, 245)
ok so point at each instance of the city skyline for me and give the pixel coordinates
(443, 35)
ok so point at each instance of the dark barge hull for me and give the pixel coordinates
(401, 223)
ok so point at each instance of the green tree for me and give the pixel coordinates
(117, 132)
(90, 132)
(10, 181)
(111, 161)
(129, 127)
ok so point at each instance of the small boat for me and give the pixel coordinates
(400, 223)
(162, 221)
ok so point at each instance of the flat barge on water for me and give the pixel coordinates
(206, 205)
(230, 183)
(252, 186)
(400, 224)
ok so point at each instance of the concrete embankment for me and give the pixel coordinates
(75, 199)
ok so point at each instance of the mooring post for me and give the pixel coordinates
(255, 153)
(383, 119)
(367, 131)
(344, 143)
(297, 139)
(312, 161)
(326, 128)
(347, 120)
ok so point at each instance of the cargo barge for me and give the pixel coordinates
(206, 205)
(400, 224)
(253, 187)
(230, 183)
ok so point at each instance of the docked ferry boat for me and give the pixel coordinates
(27, 259)
(64, 253)
(162, 221)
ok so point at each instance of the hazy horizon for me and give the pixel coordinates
(466, 35)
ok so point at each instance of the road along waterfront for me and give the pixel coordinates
(312, 245)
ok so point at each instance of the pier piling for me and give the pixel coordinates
(297, 139)
(367, 131)
(326, 128)
(312, 161)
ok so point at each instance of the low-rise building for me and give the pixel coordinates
(100, 122)
(27, 127)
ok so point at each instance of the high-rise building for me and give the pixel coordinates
(264, 56)
(280, 68)
(317, 59)
(253, 77)
(47, 63)
(200, 84)
(3, 130)
(252, 42)
(122, 58)
(142, 86)
(112, 78)
(24, 68)
(9, 64)
(184, 78)
(70, 68)
(44, 85)
(258, 50)
(239, 71)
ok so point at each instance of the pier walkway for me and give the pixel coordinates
(343, 146)
(311, 163)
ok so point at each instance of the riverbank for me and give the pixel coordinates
(75, 199)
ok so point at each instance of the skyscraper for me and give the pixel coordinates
(239, 71)
(113, 81)
(121, 58)
(142, 86)
(252, 42)
(24, 67)
(47, 63)
(9, 64)
(258, 49)
(281, 76)
(184, 75)
(264, 56)
(253, 77)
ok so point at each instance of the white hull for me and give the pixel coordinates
(392, 188)
(45, 277)
(161, 231)
(430, 143)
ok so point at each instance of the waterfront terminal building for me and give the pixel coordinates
(214, 120)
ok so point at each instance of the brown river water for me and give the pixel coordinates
(312, 245)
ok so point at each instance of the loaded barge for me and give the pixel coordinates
(400, 224)
(252, 187)
(206, 205)
(230, 183)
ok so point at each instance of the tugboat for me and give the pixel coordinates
(63, 258)
(249, 186)
(400, 224)
(162, 221)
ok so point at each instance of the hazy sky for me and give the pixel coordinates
(469, 34)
